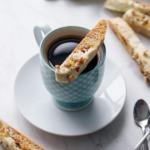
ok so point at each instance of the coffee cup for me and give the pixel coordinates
(79, 93)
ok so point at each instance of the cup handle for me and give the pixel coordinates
(40, 32)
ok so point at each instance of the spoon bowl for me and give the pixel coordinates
(141, 114)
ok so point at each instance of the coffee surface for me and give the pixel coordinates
(60, 50)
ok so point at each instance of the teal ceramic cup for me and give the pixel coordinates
(79, 93)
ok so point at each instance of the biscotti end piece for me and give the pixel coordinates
(124, 5)
(119, 5)
(80, 57)
(133, 45)
(11, 139)
(142, 7)
(138, 21)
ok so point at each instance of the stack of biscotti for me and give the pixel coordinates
(133, 45)
(80, 57)
(136, 18)
(11, 139)
(137, 14)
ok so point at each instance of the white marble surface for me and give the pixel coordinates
(17, 44)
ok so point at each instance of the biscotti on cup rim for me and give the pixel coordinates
(80, 57)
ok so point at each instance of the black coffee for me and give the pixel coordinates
(60, 50)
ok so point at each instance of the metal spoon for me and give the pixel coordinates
(141, 114)
(144, 137)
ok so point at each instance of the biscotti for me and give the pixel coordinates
(80, 57)
(142, 7)
(124, 5)
(133, 45)
(119, 5)
(138, 21)
(11, 139)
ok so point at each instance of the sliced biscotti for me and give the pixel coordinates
(11, 139)
(133, 45)
(80, 57)
(124, 5)
(119, 5)
(138, 21)
(142, 7)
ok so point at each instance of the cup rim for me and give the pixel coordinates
(103, 47)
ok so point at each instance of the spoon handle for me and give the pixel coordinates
(142, 140)
(145, 144)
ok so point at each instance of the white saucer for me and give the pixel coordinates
(36, 104)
